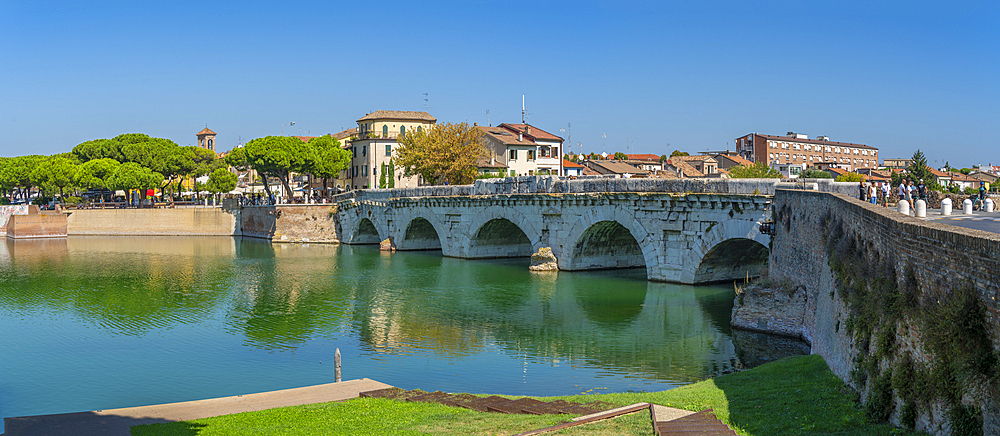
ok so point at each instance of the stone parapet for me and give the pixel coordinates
(584, 185)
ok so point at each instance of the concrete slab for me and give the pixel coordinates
(117, 422)
(664, 413)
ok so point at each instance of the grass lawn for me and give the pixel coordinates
(793, 396)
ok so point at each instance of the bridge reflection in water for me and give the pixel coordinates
(87, 319)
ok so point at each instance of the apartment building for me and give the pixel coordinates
(523, 149)
(797, 149)
(375, 143)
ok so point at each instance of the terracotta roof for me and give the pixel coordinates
(485, 162)
(304, 138)
(665, 175)
(568, 164)
(836, 171)
(398, 115)
(205, 131)
(589, 172)
(505, 136)
(346, 133)
(535, 133)
(959, 177)
(938, 173)
(643, 157)
(816, 141)
(693, 158)
(615, 167)
(686, 168)
(737, 159)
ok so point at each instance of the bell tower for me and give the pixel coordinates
(206, 139)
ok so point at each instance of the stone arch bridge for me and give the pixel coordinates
(684, 238)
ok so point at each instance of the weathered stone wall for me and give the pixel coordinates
(49, 225)
(942, 258)
(291, 222)
(194, 221)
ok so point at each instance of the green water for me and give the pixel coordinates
(104, 322)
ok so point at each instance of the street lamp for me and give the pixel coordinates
(283, 127)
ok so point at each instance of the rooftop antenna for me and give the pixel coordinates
(524, 115)
(488, 118)
(426, 107)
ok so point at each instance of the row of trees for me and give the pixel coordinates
(279, 157)
(125, 162)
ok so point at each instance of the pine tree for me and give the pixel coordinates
(918, 167)
(381, 178)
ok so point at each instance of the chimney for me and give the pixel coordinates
(527, 129)
(520, 136)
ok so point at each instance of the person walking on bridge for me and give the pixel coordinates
(885, 193)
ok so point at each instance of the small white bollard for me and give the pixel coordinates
(989, 205)
(946, 206)
(904, 207)
(920, 208)
(967, 207)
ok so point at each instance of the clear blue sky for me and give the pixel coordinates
(665, 75)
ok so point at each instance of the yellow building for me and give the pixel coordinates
(375, 143)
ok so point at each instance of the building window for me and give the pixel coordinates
(385, 130)
(512, 154)
(364, 171)
(364, 150)
(419, 129)
(388, 149)
(210, 143)
(531, 154)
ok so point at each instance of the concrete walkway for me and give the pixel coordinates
(117, 422)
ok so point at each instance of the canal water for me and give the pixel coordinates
(92, 323)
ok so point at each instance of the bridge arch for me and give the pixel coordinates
(365, 232)
(499, 229)
(727, 250)
(608, 238)
(732, 259)
(420, 234)
(499, 237)
(606, 245)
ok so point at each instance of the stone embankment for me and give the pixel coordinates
(890, 302)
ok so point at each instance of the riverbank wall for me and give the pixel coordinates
(314, 223)
(192, 221)
(903, 310)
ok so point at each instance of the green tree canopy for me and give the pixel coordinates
(329, 158)
(98, 149)
(131, 175)
(446, 153)
(275, 156)
(815, 174)
(56, 171)
(850, 177)
(620, 156)
(679, 153)
(94, 174)
(221, 180)
(918, 167)
(17, 173)
(759, 170)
